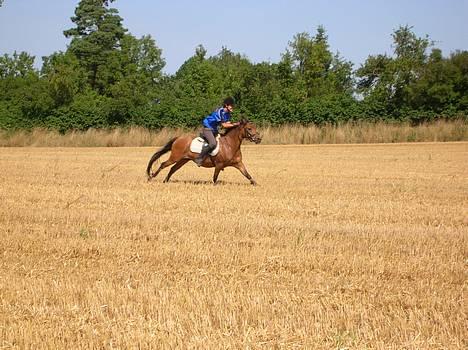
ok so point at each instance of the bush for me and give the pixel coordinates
(88, 110)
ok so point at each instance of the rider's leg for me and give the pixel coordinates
(209, 136)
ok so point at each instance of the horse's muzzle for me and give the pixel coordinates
(257, 139)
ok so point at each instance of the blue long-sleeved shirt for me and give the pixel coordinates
(213, 120)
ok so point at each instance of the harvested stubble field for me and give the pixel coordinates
(339, 247)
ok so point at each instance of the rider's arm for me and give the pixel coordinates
(228, 125)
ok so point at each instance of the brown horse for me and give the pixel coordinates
(229, 152)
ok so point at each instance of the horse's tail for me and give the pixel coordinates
(166, 148)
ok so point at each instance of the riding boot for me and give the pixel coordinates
(205, 150)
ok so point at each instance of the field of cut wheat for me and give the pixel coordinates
(339, 247)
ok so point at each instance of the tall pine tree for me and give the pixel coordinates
(96, 41)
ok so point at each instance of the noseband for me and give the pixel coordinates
(250, 136)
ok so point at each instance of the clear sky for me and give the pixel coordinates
(259, 29)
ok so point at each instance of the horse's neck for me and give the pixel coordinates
(233, 138)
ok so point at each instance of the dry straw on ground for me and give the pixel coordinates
(339, 247)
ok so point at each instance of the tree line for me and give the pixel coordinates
(107, 77)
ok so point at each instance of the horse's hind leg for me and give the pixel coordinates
(161, 167)
(176, 167)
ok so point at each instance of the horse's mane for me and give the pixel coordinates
(227, 131)
(242, 123)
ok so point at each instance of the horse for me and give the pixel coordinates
(229, 153)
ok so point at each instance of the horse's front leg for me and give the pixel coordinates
(244, 172)
(216, 174)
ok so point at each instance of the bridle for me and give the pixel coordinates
(253, 138)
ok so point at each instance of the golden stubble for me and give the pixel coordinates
(339, 247)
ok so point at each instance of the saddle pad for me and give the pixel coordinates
(198, 143)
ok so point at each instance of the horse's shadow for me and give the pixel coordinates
(207, 182)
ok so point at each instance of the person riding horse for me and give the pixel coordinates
(221, 116)
(229, 154)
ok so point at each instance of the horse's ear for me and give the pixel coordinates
(244, 121)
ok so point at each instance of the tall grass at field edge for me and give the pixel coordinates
(349, 133)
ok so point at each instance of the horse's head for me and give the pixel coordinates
(249, 131)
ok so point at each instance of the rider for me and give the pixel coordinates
(221, 116)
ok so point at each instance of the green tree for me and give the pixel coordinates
(24, 98)
(259, 93)
(459, 60)
(410, 52)
(442, 86)
(124, 69)
(385, 81)
(66, 77)
(319, 71)
(434, 87)
(141, 77)
(142, 56)
(233, 68)
(96, 41)
(196, 88)
(17, 65)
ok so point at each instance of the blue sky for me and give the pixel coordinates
(258, 29)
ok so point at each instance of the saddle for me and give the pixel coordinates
(199, 142)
